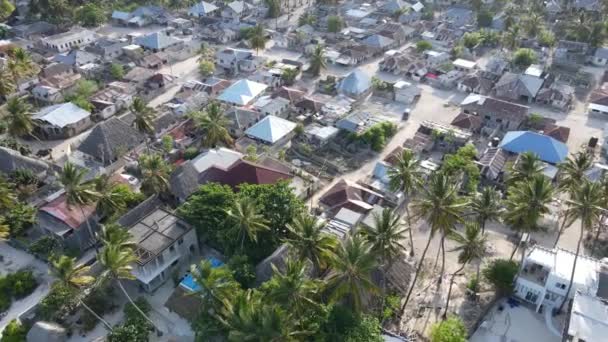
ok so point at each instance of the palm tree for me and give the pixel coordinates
(78, 192)
(19, 118)
(385, 238)
(317, 60)
(292, 289)
(216, 284)
(510, 38)
(5, 229)
(258, 38)
(472, 246)
(114, 234)
(309, 241)
(155, 172)
(247, 221)
(144, 118)
(406, 176)
(585, 205)
(527, 166)
(110, 200)
(76, 276)
(533, 24)
(442, 209)
(7, 195)
(117, 260)
(7, 84)
(351, 268)
(213, 123)
(486, 206)
(526, 204)
(571, 175)
(23, 60)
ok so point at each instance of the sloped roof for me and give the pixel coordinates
(203, 7)
(395, 5)
(156, 40)
(545, 147)
(378, 41)
(62, 115)
(467, 121)
(242, 92)
(348, 194)
(271, 129)
(71, 216)
(13, 160)
(75, 57)
(245, 172)
(357, 82)
(107, 139)
(237, 6)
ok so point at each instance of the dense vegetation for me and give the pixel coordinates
(15, 286)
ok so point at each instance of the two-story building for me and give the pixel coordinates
(495, 113)
(62, 42)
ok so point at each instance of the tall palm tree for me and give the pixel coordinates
(7, 84)
(216, 284)
(246, 220)
(7, 195)
(527, 202)
(527, 166)
(586, 206)
(385, 238)
(510, 38)
(76, 276)
(213, 123)
(571, 175)
(292, 289)
(472, 246)
(486, 206)
(155, 172)
(117, 260)
(5, 229)
(351, 268)
(442, 209)
(19, 118)
(144, 118)
(406, 176)
(78, 192)
(114, 234)
(110, 199)
(258, 38)
(23, 60)
(309, 241)
(317, 60)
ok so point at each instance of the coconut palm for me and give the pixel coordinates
(24, 63)
(309, 241)
(486, 206)
(406, 176)
(7, 84)
(216, 284)
(510, 38)
(586, 206)
(527, 202)
(155, 172)
(351, 267)
(532, 24)
(117, 261)
(19, 118)
(110, 199)
(78, 192)
(7, 195)
(527, 166)
(5, 229)
(258, 38)
(442, 209)
(114, 234)
(317, 60)
(144, 118)
(292, 289)
(213, 123)
(246, 220)
(472, 246)
(76, 276)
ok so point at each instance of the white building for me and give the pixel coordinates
(62, 42)
(545, 276)
(588, 319)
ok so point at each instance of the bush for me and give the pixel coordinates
(334, 24)
(242, 270)
(14, 332)
(450, 330)
(423, 45)
(117, 71)
(392, 304)
(59, 297)
(44, 247)
(524, 57)
(22, 283)
(190, 153)
(501, 273)
(376, 136)
(473, 284)
(135, 328)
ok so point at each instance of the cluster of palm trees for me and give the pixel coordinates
(20, 64)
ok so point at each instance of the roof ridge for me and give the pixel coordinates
(263, 167)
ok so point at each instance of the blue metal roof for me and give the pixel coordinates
(545, 147)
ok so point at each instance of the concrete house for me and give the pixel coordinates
(110, 140)
(494, 112)
(518, 87)
(242, 93)
(107, 49)
(236, 10)
(598, 101)
(356, 85)
(570, 54)
(600, 57)
(203, 9)
(47, 94)
(157, 41)
(76, 58)
(61, 121)
(235, 60)
(272, 130)
(62, 42)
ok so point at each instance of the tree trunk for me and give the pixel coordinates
(108, 326)
(409, 225)
(135, 306)
(578, 249)
(597, 237)
(516, 246)
(477, 278)
(409, 293)
(482, 223)
(89, 229)
(561, 231)
(442, 246)
(447, 302)
(383, 299)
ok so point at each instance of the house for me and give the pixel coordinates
(406, 92)
(546, 148)
(236, 10)
(546, 274)
(357, 122)
(464, 65)
(349, 195)
(47, 94)
(157, 41)
(203, 9)
(458, 17)
(494, 112)
(318, 135)
(62, 42)
(492, 164)
(469, 122)
(13, 160)
(356, 85)
(519, 87)
(588, 317)
(586, 5)
(242, 93)
(290, 94)
(109, 101)
(310, 105)
(600, 56)
(343, 223)
(76, 58)
(162, 240)
(47, 331)
(397, 32)
(246, 172)
(553, 8)
(378, 43)
(598, 101)
(496, 67)
(272, 130)
(435, 59)
(159, 81)
(138, 75)
(558, 95)
(393, 6)
(110, 140)
(67, 223)
(142, 16)
(61, 121)
(570, 53)
(235, 60)
(241, 119)
(107, 49)
(560, 133)
(273, 106)
(476, 84)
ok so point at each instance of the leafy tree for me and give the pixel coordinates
(368, 329)
(59, 297)
(155, 172)
(91, 15)
(484, 18)
(242, 270)
(246, 221)
(20, 63)
(423, 45)
(6, 9)
(450, 330)
(258, 38)
(377, 135)
(334, 24)
(117, 71)
(471, 39)
(14, 332)
(546, 38)
(18, 115)
(317, 60)
(524, 57)
(489, 37)
(463, 163)
(308, 240)
(213, 125)
(206, 67)
(144, 118)
(135, 328)
(501, 274)
(532, 24)
(289, 76)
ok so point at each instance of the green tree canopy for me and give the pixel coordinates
(450, 330)
(334, 24)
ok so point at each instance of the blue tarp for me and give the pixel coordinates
(546, 148)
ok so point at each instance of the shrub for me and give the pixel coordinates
(135, 328)
(473, 284)
(117, 71)
(242, 270)
(450, 330)
(423, 45)
(59, 297)
(524, 57)
(190, 153)
(22, 283)
(14, 332)
(334, 23)
(501, 273)
(391, 306)
(377, 135)
(45, 246)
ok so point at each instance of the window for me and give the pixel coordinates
(172, 248)
(180, 241)
(560, 286)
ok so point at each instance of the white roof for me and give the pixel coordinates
(242, 92)
(561, 261)
(589, 318)
(598, 107)
(221, 157)
(463, 63)
(323, 132)
(271, 129)
(417, 6)
(534, 70)
(62, 115)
